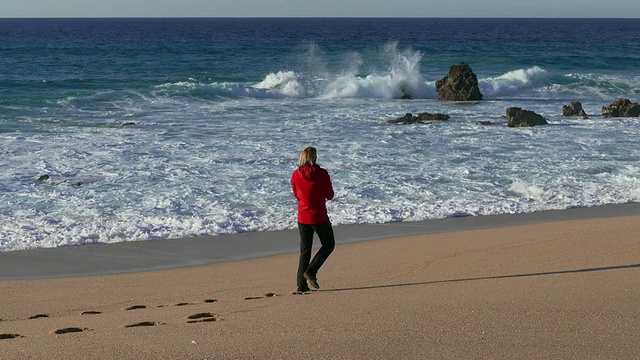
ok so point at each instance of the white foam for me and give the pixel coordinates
(288, 83)
(538, 82)
(512, 82)
(526, 190)
(219, 160)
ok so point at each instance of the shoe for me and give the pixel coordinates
(312, 279)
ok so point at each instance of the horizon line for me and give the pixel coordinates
(320, 17)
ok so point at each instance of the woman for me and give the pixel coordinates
(312, 187)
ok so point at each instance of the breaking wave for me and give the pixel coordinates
(394, 73)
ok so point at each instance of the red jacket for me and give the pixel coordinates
(312, 187)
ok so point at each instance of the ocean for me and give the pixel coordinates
(169, 128)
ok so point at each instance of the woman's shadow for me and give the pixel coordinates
(513, 276)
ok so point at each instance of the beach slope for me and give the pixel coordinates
(568, 289)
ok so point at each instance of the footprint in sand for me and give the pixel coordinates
(206, 301)
(9, 336)
(37, 316)
(201, 317)
(261, 297)
(144, 323)
(91, 312)
(69, 330)
(135, 307)
(184, 304)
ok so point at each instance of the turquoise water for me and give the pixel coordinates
(183, 127)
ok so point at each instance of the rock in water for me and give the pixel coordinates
(424, 118)
(460, 85)
(573, 109)
(517, 117)
(485, 122)
(621, 108)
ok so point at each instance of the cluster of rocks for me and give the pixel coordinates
(461, 84)
(619, 108)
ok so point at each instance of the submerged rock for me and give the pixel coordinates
(621, 108)
(67, 182)
(517, 117)
(485, 123)
(423, 118)
(460, 85)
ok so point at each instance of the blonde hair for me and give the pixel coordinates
(308, 156)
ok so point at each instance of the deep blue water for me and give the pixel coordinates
(240, 50)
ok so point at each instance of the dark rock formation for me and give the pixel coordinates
(432, 117)
(44, 177)
(409, 118)
(485, 123)
(517, 117)
(573, 109)
(460, 85)
(621, 108)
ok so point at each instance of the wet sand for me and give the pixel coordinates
(101, 259)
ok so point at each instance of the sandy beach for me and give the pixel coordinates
(549, 290)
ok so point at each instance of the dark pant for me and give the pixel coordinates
(328, 242)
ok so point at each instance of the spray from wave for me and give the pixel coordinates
(400, 79)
